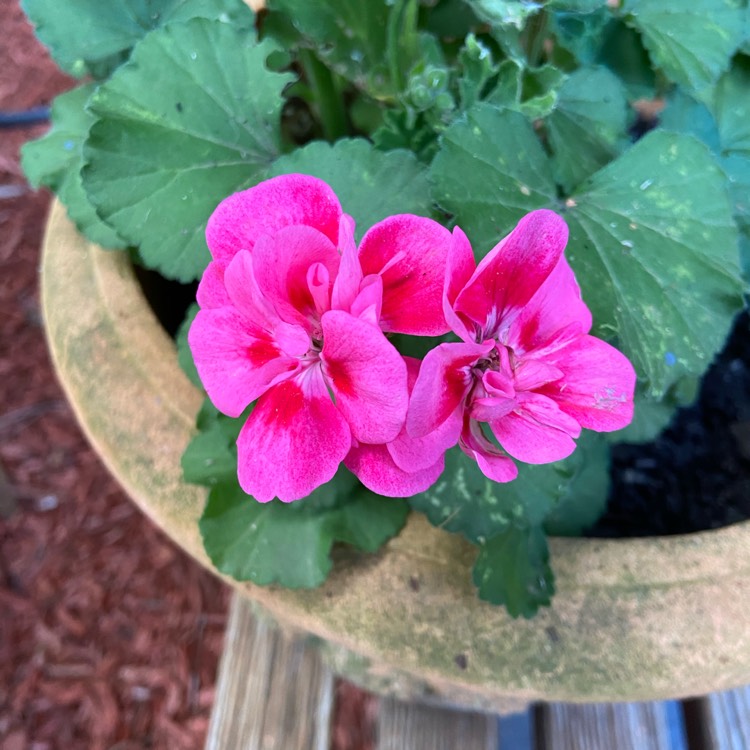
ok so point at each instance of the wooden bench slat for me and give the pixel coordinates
(272, 689)
(727, 720)
(413, 726)
(611, 726)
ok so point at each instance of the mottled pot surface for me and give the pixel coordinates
(632, 619)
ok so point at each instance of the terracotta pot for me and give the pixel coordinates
(633, 619)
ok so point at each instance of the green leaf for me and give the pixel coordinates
(654, 247)
(587, 128)
(582, 487)
(211, 455)
(581, 35)
(370, 520)
(683, 114)
(652, 239)
(513, 569)
(184, 355)
(692, 43)
(490, 171)
(505, 12)
(88, 36)
(192, 117)
(723, 124)
(477, 68)
(370, 184)
(466, 502)
(350, 36)
(291, 544)
(55, 161)
(576, 6)
(531, 91)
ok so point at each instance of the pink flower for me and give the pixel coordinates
(526, 365)
(292, 315)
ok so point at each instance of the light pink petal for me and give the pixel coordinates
(293, 441)
(415, 454)
(375, 468)
(598, 384)
(537, 431)
(367, 376)
(294, 199)
(235, 366)
(319, 285)
(281, 264)
(553, 316)
(291, 339)
(460, 266)
(211, 291)
(347, 284)
(494, 398)
(493, 463)
(534, 373)
(509, 276)
(444, 381)
(410, 253)
(246, 297)
(369, 302)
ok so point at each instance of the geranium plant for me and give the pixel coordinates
(430, 239)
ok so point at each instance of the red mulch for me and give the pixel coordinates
(109, 635)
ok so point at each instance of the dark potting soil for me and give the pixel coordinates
(694, 476)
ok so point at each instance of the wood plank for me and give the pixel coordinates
(272, 689)
(726, 721)
(414, 726)
(611, 726)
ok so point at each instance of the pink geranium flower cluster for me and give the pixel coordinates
(295, 316)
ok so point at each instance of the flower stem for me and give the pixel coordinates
(327, 93)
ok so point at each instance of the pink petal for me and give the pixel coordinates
(493, 463)
(281, 263)
(410, 253)
(415, 454)
(509, 276)
(598, 384)
(444, 381)
(367, 376)
(553, 316)
(293, 441)
(346, 286)
(244, 294)
(531, 374)
(418, 454)
(537, 431)
(460, 266)
(294, 199)
(374, 467)
(235, 366)
(369, 302)
(211, 290)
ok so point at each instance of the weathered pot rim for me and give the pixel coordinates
(632, 619)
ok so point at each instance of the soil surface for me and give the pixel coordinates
(696, 474)
(109, 635)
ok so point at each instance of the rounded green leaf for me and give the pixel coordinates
(370, 184)
(490, 171)
(193, 116)
(513, 569)
(692, 42)
(90, 36)
(654, 248)
(55, 160)
(588, 126)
